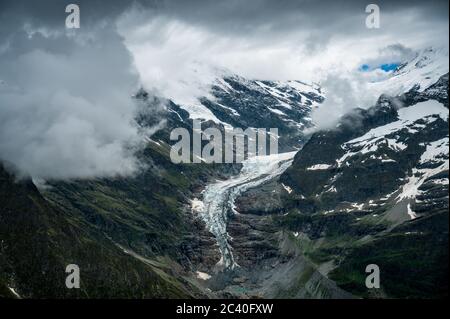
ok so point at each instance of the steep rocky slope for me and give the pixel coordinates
(375, 190)
(233, 101)
(39, 239)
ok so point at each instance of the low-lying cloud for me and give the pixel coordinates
(343, 93)
(66, 107)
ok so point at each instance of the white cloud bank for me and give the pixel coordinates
(179, 52)
(65, 105)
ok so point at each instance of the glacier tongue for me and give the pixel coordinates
(219, 197)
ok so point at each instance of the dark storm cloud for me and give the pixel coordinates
(270, 16)
(230, 16)
(52, 12)
(260, 20)
(282, 12)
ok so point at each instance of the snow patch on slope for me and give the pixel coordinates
(428, 111)
(318, 167)
(436, 151)
(203, 275)
(14, 292)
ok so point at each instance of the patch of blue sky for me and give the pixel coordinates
(364, 67)
(389, 66)
(386, 67)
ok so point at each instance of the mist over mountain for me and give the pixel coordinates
(360, 177)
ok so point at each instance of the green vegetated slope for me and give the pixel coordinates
(90, 223)
(413, 263)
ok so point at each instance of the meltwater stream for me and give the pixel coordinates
(218, 197)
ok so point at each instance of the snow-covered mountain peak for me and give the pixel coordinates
(420, 72)
(233, 100)
(425, 57)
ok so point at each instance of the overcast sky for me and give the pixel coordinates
(64, 94)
